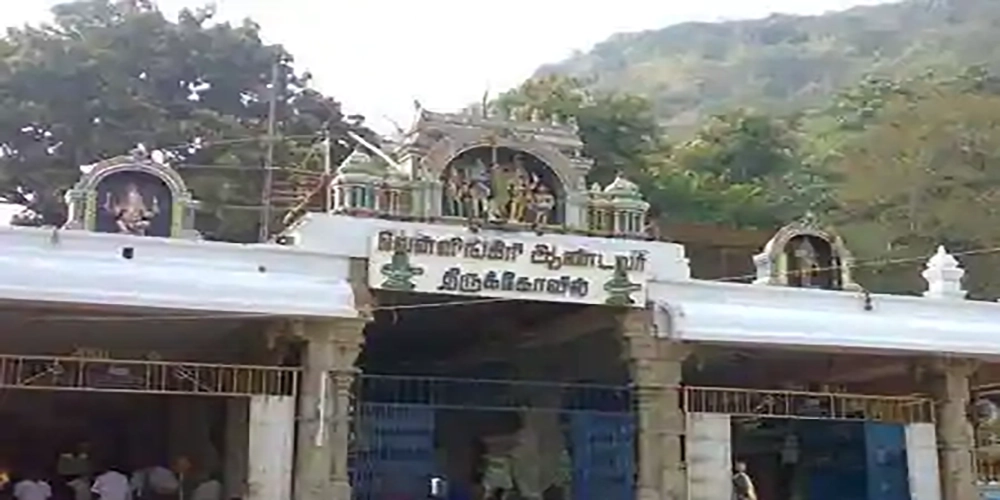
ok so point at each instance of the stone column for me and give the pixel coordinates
(330, 350)
(956, 445)
(656, 367)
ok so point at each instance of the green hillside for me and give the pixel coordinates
(784, 63)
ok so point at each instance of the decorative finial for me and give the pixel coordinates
(139, 152)
(944, 276)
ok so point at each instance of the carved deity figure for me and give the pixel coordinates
(520, 197)
(478, 192)
(455, 192)
(542, 203)
(807, 260)
(131, 213)
(502, 177)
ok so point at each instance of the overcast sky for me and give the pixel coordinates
(377, 56)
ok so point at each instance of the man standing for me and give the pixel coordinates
(742, 484)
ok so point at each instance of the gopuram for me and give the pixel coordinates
(472, 319)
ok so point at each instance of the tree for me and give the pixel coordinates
(107, 75)
(922, 174)
(619, 131)
(742, 169)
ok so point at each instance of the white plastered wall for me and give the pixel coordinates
(922, 462)
(709, 456)
(271, 447)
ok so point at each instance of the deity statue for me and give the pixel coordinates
(542, 203)
(808, 263)
(501, 178)
(477, 192)
(132, 216)
(520, 196)
(455, 192)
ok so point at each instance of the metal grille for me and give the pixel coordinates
(807, 405)
(150, 377)
(401, 422)
(493, 395)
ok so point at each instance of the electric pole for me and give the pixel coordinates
(272, 111)
(327, 172)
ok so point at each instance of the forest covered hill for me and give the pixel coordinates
(786, 63)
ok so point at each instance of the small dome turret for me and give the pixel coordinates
(618, 209)
(622, 188)
(365, 184)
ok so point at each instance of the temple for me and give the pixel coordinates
(472, 318)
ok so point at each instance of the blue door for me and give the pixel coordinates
(393, 452)
(603, 456)
(885, 449)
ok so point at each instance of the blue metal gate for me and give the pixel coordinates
(400, 423)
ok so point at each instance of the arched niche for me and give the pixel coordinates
(502, 184)
(444, 151)
(805, 255)
(132, 195)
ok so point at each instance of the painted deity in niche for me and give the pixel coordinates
(811, 263)
(501, 186)
(134, 203)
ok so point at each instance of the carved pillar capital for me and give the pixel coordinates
(957, 367)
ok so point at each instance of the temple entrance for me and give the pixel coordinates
(792, 459)
(475, 398)
(815, 440)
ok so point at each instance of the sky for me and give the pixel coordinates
(378, 56)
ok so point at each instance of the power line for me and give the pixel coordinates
(461, 302)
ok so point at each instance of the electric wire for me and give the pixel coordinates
(461, 302)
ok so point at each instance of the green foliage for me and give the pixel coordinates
(922, 172)
(619, 131)
(787, 63)
(108, 75)
(741, 169)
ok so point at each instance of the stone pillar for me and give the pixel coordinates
(709, 456)
(656, 366)
(956, 445)
(331, 347)
(922, 462)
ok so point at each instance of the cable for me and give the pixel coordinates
(460, 302)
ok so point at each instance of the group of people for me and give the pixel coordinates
(75, 478)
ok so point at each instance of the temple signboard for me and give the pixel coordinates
(506, 267)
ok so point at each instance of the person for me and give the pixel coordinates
(80, 487)
(742, 484)
(154, 482)
(76, 463)
(112, 485)
(209, 489)
(32, 487)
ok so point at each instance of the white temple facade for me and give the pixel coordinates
(472, 318)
